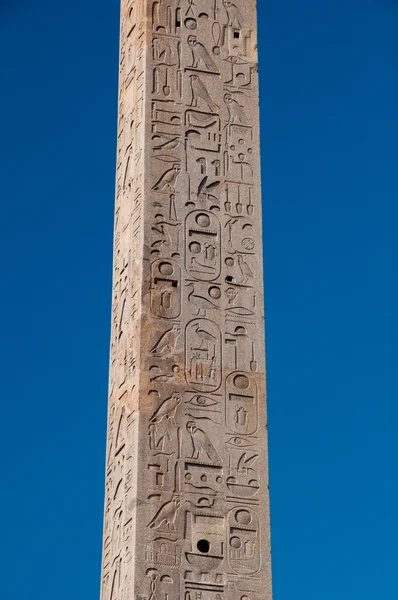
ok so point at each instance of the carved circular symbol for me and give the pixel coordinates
(241, 382)
(188, 476)
(203, 478)
(216, 50)
(203, 220)
(195, 247)
(219, 480)
(248, 243)
(229, 262)
(235, 542)
(166, 268)
(190, 24)
(215, 293)
(243, 517)
(201, 400)
(203, 546)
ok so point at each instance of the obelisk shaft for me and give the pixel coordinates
(187, 506)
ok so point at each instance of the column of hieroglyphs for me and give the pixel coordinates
(187, 507)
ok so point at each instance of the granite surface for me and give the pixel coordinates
(187, 504)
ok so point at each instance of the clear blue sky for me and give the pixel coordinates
(330, 152)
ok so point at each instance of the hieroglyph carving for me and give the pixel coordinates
(186, 506)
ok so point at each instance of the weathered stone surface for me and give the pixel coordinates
(187, 507)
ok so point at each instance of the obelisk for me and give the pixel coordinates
(187, 504)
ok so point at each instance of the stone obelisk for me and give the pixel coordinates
(187, 505)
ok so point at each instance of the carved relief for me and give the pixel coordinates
(167, 73)
(201, 96)
(166, 515)
(186, 467)
(167, 410)
(203, 246)
(165, 553)
(200, 407)
(241, 399)
(166, 344)
(207, 540)
(244, 553)
(201, 444)
(240, 72)
(162, 585)
(204, 298)
(201, 59)
(166, 232)
(165, 289)
(203, 131)
(166, 16)
(166, 123)
(168, 179)
(203, 355)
